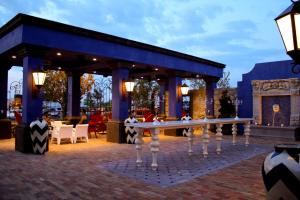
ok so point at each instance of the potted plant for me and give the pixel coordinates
(227, 110)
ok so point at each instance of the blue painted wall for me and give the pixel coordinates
(261, 71)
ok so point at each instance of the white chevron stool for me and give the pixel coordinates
(130, 131)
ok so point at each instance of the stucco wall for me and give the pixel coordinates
(261, 71)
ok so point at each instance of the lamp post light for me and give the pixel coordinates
(236, 102)
(288, 23)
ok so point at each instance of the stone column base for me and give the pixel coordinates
(23, 141)
(292, 133)
(116, 132)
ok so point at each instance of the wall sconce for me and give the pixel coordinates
(39, 77)
(184, 89)
(129, 85)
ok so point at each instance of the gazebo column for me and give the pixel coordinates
(211, 85)
(175, 98)
(162, 90)
(175, 104)
(73, 91)
(115, 127)
(3, 91)
(32, 104)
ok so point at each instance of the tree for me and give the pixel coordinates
(222, 83)
(101, 87)
(89, 101)
(86, 83)
(144, 94)
(197, 83)
(227, 110)
(55, 87)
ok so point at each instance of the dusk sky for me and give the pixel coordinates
(237, 33)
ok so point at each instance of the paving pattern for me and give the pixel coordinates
(177, 167)
(72, 171)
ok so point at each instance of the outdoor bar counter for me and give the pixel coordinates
(155, 128)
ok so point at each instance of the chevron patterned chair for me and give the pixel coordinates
(80, 131)
(65, 131)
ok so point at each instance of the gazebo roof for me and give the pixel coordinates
(89, 51)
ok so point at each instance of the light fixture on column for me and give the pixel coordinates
(288, 23)
(184, 89)
(129, 85)
(39, 77)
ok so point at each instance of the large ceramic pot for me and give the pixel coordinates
(281, 172)
(39, 136)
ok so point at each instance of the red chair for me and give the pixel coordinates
(97, 124)
(18, 117)
(148, 117)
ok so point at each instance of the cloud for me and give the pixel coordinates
(52, 12)
(243, 26)
(81, 2)
(3, 10)
(207, 52)
(237, 33)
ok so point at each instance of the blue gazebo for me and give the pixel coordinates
(33, 42)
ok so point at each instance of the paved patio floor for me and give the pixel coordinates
(81, 171)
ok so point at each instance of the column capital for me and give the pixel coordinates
(209, 79)
(73, 73)
(119, 64)
(4, 68)
(30, 51)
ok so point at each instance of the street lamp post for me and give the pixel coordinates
(277, 165)
(288, 23)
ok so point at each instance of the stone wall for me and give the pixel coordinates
(279, 87)
(198, 101)
(167, 104)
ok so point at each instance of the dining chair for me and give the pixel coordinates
(64, 131)
(81, 130)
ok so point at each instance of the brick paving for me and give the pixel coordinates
(177, 167)
(71, 171)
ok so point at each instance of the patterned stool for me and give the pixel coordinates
(130, 131)
(39, 136)
(186, 130)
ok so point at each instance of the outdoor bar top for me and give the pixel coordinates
(156, 126)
